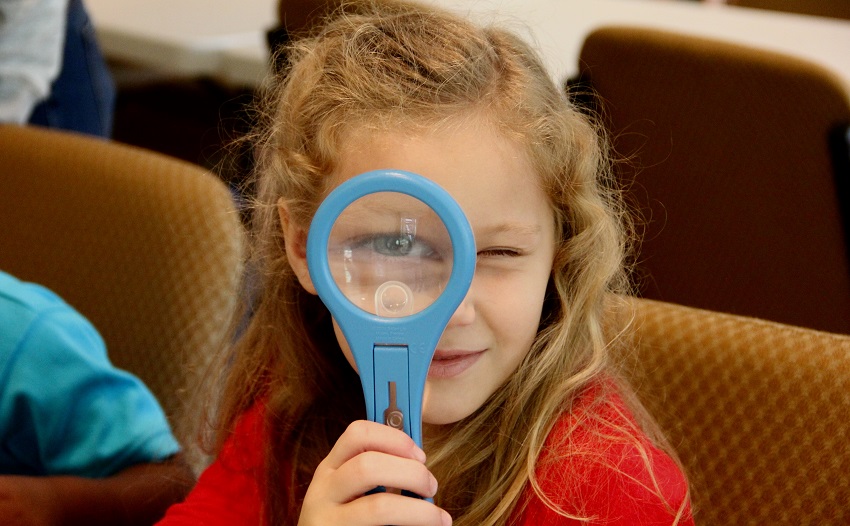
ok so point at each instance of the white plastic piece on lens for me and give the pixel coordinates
(393, 299)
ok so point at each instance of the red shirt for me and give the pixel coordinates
(604, 471)
(605, 478)
(228, 492)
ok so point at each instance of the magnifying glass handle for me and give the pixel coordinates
(395, 405)
(392, 387)
(394, 339)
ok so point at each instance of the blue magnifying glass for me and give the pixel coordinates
(392, 256)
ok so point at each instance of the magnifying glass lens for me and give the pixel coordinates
(390, 254)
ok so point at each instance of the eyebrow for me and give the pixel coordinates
(374, 209)
(512, 229)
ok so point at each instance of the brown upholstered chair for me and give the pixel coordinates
(829, 8)
(147, 247)
(759, 413)
(737, 160)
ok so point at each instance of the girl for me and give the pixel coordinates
(525, 421)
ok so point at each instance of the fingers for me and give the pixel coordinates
(387, 508)
(370, 469)
(362, 436)
(369, 455)
(365, 456)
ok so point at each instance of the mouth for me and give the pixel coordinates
(448, 364)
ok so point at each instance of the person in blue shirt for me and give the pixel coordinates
(81, 442)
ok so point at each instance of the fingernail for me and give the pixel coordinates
(447, 519)
(418, 454)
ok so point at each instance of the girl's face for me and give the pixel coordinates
(492, 180)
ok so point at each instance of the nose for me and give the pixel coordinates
(464, 314)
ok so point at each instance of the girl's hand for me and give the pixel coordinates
(368, 455)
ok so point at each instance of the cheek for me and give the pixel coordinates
(516, 314)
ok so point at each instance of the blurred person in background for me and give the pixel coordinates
(52, 72)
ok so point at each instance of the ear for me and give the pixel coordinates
(295, 240)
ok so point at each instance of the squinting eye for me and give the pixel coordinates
(499, 252)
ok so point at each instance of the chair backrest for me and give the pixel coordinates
(737, 159)
(759, 413)
(829, 8)
(147, 247)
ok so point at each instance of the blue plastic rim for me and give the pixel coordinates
(365, 332)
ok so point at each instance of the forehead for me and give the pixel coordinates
(457, 152)
(488, 174)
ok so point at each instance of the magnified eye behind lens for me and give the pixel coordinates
(390, 254)
(395, 246)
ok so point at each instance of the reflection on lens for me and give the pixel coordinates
(393, 299)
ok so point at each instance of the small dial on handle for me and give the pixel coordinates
(393, 416)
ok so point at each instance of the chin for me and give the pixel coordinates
(441, 406)
(440, 421)
(446, 417)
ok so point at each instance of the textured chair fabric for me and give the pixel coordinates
(758, 411)
(147, 247)
(737, 161)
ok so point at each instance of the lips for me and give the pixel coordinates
(448, 364)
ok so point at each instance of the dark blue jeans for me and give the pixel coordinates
(82, 97)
